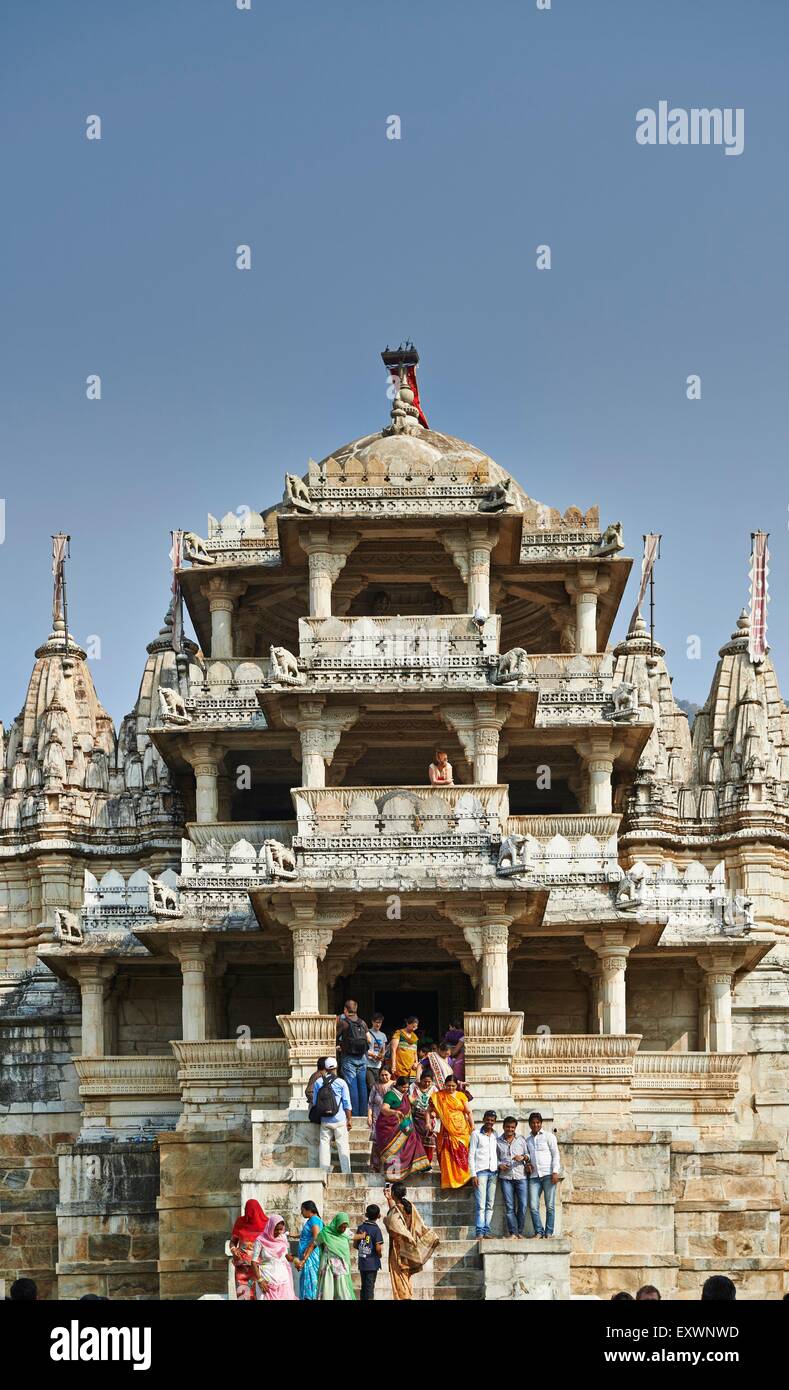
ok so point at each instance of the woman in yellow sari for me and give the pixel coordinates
(404, 1045)
(457, 1123)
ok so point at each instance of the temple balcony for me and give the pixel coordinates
(588, 1078)
(442, 651)
(124, 1097)
(220, 1079)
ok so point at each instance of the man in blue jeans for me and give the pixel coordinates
(512, 1155)
(354, 1040)
(483, 1163)
(544, 1170)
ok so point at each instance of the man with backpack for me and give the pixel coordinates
(354, 1040)
(331, 1109)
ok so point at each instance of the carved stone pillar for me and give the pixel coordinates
(719, 971)
(485, 926)
(481, 543)
(93, 977)
(320, 727)
(222, 593)
(309, 947)
(599, 755)
(494, 988)
(477, 728)
(612, 949)
(205, 758)
(614, 964)
(584, 588)
(195, 958)
(470, 549)
(327, 553)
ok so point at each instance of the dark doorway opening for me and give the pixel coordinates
(395, 1005)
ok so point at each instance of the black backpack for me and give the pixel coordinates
(354, 1038)
(327, 1102)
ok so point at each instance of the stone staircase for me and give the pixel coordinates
(455, 1272)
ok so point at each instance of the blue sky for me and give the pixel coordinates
(268, 127)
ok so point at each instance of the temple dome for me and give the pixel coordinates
(425, 455)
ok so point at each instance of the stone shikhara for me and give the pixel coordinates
(405, 595)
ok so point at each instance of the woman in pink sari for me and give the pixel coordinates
(271, 1262)
(398, 1144)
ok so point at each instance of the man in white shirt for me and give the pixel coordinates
(336, 1126)
(483, 1165)
(544, 1168)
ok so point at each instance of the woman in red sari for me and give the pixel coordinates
(245, 1232)
(398, 1144)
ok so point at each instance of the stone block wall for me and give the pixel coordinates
(148, 1013)
(108, 1240)
(39, 1110)
(198, 1203)
(618, 1211)
(728, 1215)
(558, 998)
(663, 1006)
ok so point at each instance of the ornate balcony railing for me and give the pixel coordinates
(226, 693)
(440, 650)
(563, 1055)
(408, 816)
(571, 848)
(127, 1076)
(135, 1096)
(231, 1059)
(687, 1073)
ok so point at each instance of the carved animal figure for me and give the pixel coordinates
(498, 499)
(172, 707)
(284, 666)
(67, 927)
(194, 549)
(630, 892)
(611, 540)
(280, 861)
(625, 699)
(297, 493)
(163, 898)
(513, 854)
(509, 666)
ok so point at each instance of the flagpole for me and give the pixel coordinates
(658, 536)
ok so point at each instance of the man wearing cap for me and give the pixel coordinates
(483, 1162)
(335, 1126)
(543, 1170)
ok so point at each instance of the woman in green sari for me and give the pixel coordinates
(334, 1275)
(396, 1139)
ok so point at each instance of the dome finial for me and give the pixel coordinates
(407, 414)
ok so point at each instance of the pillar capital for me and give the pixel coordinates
(194, 953)
(587, 580)
(222, 591)
(203, 757)
(320, 727)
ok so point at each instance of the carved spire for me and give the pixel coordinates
(407, 415)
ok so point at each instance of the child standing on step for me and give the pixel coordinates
(370, 1241)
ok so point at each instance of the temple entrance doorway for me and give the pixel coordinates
(438, 992)
(396, 1005)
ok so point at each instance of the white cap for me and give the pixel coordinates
(331, 1063)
